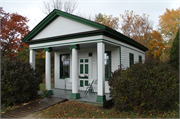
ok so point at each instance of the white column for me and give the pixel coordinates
(101, 70)
(74, 70)
(48, 70)
(32, 58)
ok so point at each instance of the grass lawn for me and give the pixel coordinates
(43, 86)
(73, 109)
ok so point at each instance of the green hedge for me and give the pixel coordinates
(149, 86)
(19, 82)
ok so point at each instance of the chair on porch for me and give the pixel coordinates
(89, 87)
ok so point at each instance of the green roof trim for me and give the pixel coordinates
(52, 16)
(102, 30)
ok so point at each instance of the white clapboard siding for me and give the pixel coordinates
(125, 56)
(84, 53)
(62, 26)
(59, 83)
(115, 62)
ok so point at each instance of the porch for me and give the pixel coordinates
(89, 98)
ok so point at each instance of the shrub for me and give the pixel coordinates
(19, 82)
(174, 54)
(148, 86)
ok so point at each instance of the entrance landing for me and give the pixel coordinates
(90, 98)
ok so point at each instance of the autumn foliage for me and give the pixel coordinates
(108, 20)
(136, 27)
(169, 23)
(168, 26)
(13, 29)
(140, 29)
(156, 44)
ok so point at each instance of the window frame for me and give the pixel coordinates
(107, 78)
(61, 67)
(140, 59)
(130, 59)
(84, 64)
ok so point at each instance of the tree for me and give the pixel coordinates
(136, 27)
(23, 55)
(156, 45)
(107, 20)
(40, 61)
(68, 6)
(174, 54)
(168, 26)
(169, 23)
(13, 29)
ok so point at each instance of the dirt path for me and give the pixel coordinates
(28, 110)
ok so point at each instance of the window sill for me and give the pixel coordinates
(83, 77)
(64, 77)
(106, 79)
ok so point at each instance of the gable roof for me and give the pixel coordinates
(102, 29)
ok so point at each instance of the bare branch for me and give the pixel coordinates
(68, 6)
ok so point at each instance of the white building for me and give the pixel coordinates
(83, 51)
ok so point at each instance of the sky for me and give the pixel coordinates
(32, 9)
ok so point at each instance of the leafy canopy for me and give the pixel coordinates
(169, 23)
(13, 29)
(136, 27)
(156, 45)
(107, 20)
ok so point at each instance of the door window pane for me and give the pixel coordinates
(81, 68)
(65, 64)
(107, 62)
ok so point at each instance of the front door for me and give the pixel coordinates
(83, 73)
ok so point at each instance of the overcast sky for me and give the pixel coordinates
(153, 8)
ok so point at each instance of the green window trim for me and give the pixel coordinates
(81, 68)
(106, 79)
(83, 77)
(86, 83)
(131, 59)
(64, 77)
(61, 67)
(120, 55)
(90, 54)
(109, 52)
(140, 59)
(86, 60)
(81, 83)
(81, 60)
(86, 68)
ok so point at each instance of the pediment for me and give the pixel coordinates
(63, 26)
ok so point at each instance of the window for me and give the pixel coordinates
(131, 59)
(107, 62)
(140, 59)
(64, 66)
(84, 68)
